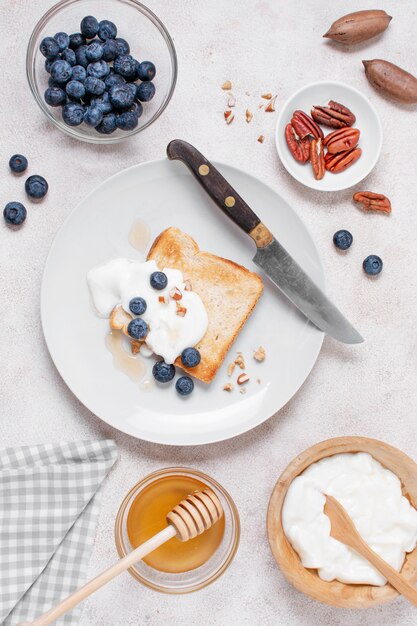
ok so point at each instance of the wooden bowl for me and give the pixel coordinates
(308, 581)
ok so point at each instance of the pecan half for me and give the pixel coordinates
(336, 163)
(335, 115)
(304, 125)
(341, 140)
(299, 148)
(317, 158)
(373, 201)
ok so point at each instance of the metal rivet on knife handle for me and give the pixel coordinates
(230, 201)
(203, 170)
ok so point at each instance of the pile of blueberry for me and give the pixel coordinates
(36, 187)
(94, 78)
(372, 265)
(138, 329)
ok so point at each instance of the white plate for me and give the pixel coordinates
(367, 121)
(163, 194)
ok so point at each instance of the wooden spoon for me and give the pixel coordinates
(191, 517)
(344, 530)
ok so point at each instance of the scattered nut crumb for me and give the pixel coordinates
(227, 85)
(135, 346)
(249, 115)
(259, 354)
(230, 369)
(228, 387)
(229, 117)
(175, 293)
(231, 101)
(162, 299)
(181, 310)
(240, 361)
(242, 379)
(243, 390)
(261, 138)
(266, 96)
(187, 285)
(270, 107)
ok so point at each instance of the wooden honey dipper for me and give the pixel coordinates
(192, 516)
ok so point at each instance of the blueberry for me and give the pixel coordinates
(137, 306)
(49, 48)
(62, 40)
(94, 85)
(93, 116)
(127, 120)
(110, 50)
(103, 102)
(68, 55)
(72, 113)
(94, 51)
(99, 69)
(18, 163)
(121, 96)
(122, 46)
(146, 70)
(163, 372)
(158, 280)
(372, 265)
(55, 96)
(137, 328)
(137, 109)
(79, 73)
(107, 30)
(61, 71)
(14, 213)
(76, 40)
(342, 239)
(80, 56)
(48, 64)
(75, 89)
(125, 65)
(89, 26)
(184, 385)
(145, 91)
(36, 186)
(108, 125)
(190, 357)
(114, 79)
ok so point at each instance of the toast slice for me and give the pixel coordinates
(228, 290)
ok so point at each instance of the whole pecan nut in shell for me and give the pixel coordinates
(305, 126)
(341, 140)
(336, 163)
(373, 201)
(317, 158)
(299, 148)
(335, 115)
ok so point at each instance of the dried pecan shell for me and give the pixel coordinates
(341, 140)
(335, 115)
(373, 201)
(317, 158)
(299, 148)
(304, 125)
(336, 163)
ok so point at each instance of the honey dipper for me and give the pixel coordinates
(192, 516)
(344, 530)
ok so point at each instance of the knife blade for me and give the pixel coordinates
(270, 256)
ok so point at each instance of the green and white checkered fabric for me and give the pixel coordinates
(48, 511)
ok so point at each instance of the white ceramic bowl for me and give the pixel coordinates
(367, 121)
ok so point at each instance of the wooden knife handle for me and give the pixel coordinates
(220, 191)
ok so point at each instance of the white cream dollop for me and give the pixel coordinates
(371, 495)
(120, 280)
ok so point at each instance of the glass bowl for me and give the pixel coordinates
(148, 38)
(194, 579)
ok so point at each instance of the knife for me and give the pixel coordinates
(270, 255)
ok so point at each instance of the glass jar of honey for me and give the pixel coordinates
(176, 567)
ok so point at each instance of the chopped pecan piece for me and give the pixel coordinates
(259, 354)
(240, 361)
(335, 115)
(242, 379)
(373, 201)
(227, 85)
(267, 96)
(135, 346)
(270, 107)
(229, 117)
(248, 115)
(228, 387)
(261, 138)
(175, 293)
(181, 310)
(230, 369)
(187, 285)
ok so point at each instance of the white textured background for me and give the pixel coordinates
(265, 45)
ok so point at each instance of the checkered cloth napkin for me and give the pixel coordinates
(48, 511)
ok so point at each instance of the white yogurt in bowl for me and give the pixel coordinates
(371, 495)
